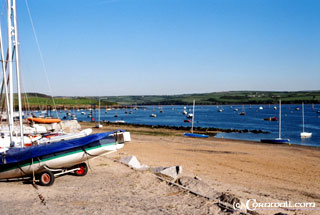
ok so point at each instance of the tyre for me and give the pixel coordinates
(46, 178)
(83, 169)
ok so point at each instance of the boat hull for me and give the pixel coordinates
(44, 120)
(305, 135)
(275, 141)
(196, 135)
(60, 159)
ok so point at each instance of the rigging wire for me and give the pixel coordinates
(25, 95)
(41, 56)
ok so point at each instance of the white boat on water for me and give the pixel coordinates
(119, 121)
(184, 112)
(304, 134)
(190, 115)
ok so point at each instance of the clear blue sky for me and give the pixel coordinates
(159, 47)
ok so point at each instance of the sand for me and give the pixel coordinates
(247, 170)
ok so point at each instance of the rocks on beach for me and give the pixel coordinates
(172, 172)
(194, 185)
(133, 162)
(109, 188)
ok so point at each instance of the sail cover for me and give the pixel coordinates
(15, 155)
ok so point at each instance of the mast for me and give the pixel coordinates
(99, 113)
(16, 45)
(193, 116)
(280, 119)
(302, 117)
(10, 34)
(13, 43)
(5, 85)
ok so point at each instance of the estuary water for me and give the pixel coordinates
(228, 117)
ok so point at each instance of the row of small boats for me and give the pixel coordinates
(281, 140)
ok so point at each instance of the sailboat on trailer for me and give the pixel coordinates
(56, 158)
(278, 140)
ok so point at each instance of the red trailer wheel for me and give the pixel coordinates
(82, 171)
(46, 178)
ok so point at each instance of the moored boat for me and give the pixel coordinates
(190, 116)
(243, 113)
(271, 119)
(196, 135)
(304, 134)
(278, 140)
(275, 141)
(119, 121)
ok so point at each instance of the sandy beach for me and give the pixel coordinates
(247, 170)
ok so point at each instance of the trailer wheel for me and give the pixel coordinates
(46, 178)
(83, 169)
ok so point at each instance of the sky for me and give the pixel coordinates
(168, 47)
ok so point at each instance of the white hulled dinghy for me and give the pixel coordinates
(48, 160)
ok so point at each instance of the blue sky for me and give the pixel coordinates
(164, 47)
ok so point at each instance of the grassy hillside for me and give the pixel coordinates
(34, 100)
(239, 97)
(37, 100)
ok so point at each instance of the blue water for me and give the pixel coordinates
(208, 116)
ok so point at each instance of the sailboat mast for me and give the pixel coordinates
(99, 113)
(193, 115)
(16, 45)
(5, 84)
(302, 117)
(280, 119)
(10, 33)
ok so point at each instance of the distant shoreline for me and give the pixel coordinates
(130, 106)
(38, 100)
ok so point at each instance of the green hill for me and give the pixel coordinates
(220, 98)
(38, 100)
